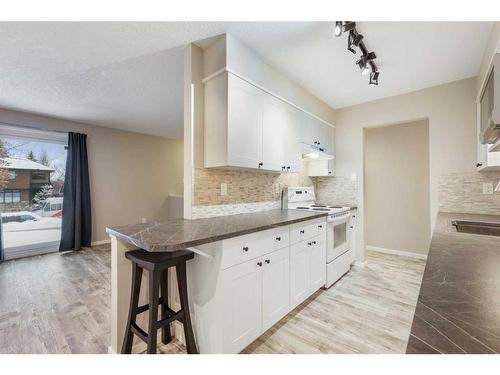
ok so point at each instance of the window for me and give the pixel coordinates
(10, 196)
(38, 175)
(12, 175)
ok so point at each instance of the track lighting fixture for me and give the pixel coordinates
(355, 40)
(374, 78)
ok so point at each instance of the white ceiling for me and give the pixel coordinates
(129, 75)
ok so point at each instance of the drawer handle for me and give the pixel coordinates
(268, 261)
(245, 248)
(259, 264)
(320, 226)
(302, 231)
(278, 238)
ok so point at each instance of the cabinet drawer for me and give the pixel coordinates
(307, 229)
(240, 249)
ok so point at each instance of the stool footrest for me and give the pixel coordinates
(139, 332)
(179, 315)
(143, 308)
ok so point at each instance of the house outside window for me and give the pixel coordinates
(12, 175)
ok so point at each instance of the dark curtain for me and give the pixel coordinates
(76, 220)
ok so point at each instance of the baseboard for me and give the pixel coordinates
(407, 254)
(102, 242)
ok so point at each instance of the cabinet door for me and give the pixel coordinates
(299, 273)
(275, 287)
(318, 262)
(244, 118)
(242, 305)
(274, 134)
(293, 151)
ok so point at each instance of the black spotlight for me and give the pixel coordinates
(363, 65)
(350, 42)
(338, 28)
(374, 78)
(357, 39)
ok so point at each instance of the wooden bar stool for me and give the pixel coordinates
(157, 264)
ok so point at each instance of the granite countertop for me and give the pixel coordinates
(178, 234)
(458, 308)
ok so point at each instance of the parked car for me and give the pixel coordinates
(19, 217)
(52, 207)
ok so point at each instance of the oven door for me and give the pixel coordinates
(337, 237)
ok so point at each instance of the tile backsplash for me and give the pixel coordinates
(242, 186)
(463, 192)
(338, 190)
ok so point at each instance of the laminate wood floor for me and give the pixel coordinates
(60, 303)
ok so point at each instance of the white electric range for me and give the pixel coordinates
(338, 233)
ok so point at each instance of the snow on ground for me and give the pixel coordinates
(36, 233)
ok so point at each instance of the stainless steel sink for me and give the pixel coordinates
(477, 227)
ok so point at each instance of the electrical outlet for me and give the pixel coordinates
(143, 220)
(487, 187)
(223, 188)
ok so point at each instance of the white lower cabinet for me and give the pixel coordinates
(300, 273)
(307, 268)
(275, 287)
(235, 298)
(317, 263)
(242, 305)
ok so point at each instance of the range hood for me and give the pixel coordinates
(314, 153)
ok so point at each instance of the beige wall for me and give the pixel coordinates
(396, 185)
(451, 112)
(131, 174)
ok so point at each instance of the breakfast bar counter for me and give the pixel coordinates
(222, 245)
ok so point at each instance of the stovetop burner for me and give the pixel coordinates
(321, 209)
(303, 208)
(319, 205)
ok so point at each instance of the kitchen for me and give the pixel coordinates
(260, 188)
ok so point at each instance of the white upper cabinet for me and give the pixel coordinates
(248, 127)
(244, 118)
(317, 133)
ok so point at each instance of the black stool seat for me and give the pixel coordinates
(157, 265)
(158, 260)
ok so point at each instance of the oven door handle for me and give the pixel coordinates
(339, 220)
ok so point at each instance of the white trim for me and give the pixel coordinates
(34, 134)
(407, 254)
(228, 70)
(101, 242)
(359, 263)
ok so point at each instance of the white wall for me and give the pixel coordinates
(396, 184)
(451, 112)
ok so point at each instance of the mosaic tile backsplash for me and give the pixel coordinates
(338, 190)
(463, 192)
(242, 186)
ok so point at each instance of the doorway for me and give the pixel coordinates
(32, 172)
(397, 188)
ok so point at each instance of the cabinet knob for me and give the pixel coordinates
(479, 165)
(302, 231)
(278, 238)
(320, 226)
(268, 261)
(283, 168)
(309, 243)
(329, 172)
(261, 164)
(351, 227)
(259, 264)
(288, 168)
(245, 248)
(314, 242)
